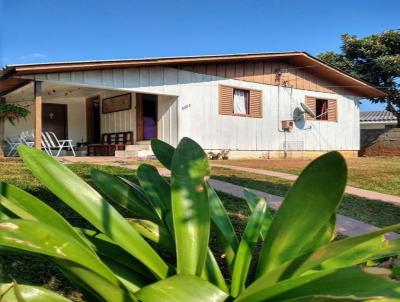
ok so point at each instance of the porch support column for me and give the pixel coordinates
(38, 114)
(2, 100)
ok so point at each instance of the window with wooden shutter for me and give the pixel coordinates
(255, 106)
(225, 100)
(332, 108)
(310, 102)
(324, 109)
(240, 102)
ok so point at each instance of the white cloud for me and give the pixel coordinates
(33, 55)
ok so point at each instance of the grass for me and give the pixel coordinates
(373, 212)
(381, 174)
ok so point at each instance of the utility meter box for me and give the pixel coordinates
(287, 125)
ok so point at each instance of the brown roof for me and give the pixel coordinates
(330, 73)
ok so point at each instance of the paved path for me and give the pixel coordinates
(344, 225)
(351, 190)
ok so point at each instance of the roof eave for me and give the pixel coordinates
(367, 89)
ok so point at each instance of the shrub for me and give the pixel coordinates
(163, 253)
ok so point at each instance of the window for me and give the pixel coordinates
(324, 109)
(321, 109)
(240, 101)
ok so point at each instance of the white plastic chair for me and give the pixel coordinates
(26, 140)
(13, 146)
(46, 145)
(60, 144)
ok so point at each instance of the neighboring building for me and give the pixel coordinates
(373, 124)
(245, 103)
(377, 120)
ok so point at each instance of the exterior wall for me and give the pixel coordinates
(376, 125)
(120, 121)
(284, 155)
(168, 119)
(265, 72)
(76, 119)
(198, 117)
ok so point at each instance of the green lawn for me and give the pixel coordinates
(381, 174)
(370, 211)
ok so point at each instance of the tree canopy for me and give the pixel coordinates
(375, 59)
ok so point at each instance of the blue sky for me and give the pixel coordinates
(65, 30)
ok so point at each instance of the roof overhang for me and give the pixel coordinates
(316, 66)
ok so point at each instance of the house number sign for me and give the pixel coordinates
(186, 107)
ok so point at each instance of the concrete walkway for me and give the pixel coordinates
(349, 189)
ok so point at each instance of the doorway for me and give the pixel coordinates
(93, 131)
(146, 116)
(54, 119)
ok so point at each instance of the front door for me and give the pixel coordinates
(93, 120)
(146, 116)
(54, 119)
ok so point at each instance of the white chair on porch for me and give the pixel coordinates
(12, 145)
(59, 143)
(46, 146)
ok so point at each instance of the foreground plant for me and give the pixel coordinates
(163, 254)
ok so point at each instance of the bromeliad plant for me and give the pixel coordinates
(121, 260)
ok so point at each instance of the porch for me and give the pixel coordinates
(84, 114)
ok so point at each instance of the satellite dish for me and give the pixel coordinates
(307, 109)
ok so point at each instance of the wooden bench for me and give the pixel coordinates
(110, 142)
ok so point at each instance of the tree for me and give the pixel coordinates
(374, 59)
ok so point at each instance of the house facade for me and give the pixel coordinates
(250, 104)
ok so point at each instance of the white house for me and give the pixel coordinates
(247, 103)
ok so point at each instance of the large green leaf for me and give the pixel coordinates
(246, 248)
(153, 232)
(12, 292)
(313, 259)
(376, 248)
(252, 201)
(181, 288)
(307, 208)
(340, 283)
(212, 273)
(323, 298)
(92, 206)
(123, 194)
(163, 151)
(107, 249)
(191, 214)
(93, 285)
(28, 207)
(156, 188)
(132, 280)
(223, 226)
(44, 239)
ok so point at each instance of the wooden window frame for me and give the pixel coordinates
(248, 102)
(248, 90)
(315, 98)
